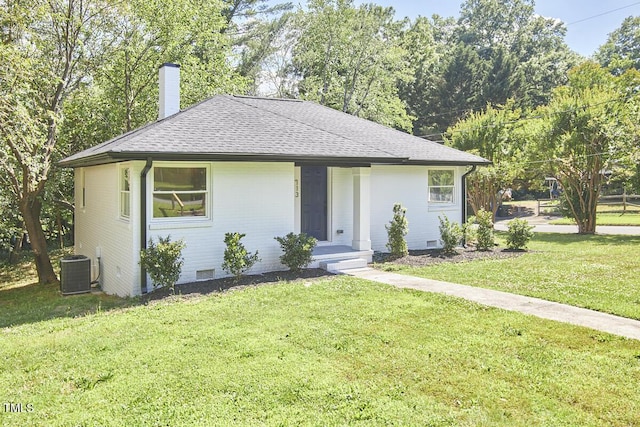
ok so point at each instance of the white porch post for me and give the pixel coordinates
(361, 209)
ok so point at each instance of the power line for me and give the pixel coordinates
(603, 13)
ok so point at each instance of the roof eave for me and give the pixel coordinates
(481, 162)
(115, 157)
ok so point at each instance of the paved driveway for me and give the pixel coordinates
(541, 224)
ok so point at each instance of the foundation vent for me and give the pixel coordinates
(432, 244)
(205, 275)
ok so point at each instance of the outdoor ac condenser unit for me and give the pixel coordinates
(75, 275)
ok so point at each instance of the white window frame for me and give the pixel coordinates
(124, 192)
(452, 187)
(207, 192)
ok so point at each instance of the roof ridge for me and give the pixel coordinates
(325, 130)
(267, 98)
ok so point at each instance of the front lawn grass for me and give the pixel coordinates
(597, 272)
(338, 351)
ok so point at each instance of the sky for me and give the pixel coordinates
(584, 37)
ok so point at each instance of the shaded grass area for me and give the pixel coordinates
(597, 272)
(337, 351)
(23, 300)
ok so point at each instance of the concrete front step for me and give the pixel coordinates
(338, 265)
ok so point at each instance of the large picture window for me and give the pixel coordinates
(125, 193)
(179, 192)
(441, 186)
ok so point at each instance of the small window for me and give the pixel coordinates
(125, 193)
(441, 186)
(179, 192)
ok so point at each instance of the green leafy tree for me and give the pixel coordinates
(497, 50)
(351, 59)
(591, 125)
(496, 135)
(423, 56)
(621, 52)
(47, 50)
(150, 33)
(255, 28)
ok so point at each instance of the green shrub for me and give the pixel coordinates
(298, 250)
(450, 234)
(484, 232)
(163, 261)
(237, 259)
(470, 231)
(397, 228)
(519, 233)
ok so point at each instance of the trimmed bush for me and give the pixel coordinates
(163, 261)
(298, 250)
(237, 259)
(484, 232)
(450, 234)
(470, 231)
(397, 228)
(519, 233)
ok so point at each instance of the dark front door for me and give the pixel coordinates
(314, 201)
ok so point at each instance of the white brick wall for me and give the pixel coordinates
(408, 185)
(251, 198)
(98, 225)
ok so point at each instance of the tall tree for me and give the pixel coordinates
(275, 75)
(622, 49)
(591, 126)
(498, 49)
(47, 49)
(424, 58)
(495, 134)
(351, 59)
(255, 27)
(188, 32)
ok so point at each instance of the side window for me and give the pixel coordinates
(441, 186)
(179, 192)
(125, 193)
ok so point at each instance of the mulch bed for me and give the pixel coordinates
(228, 283)
(436, 256)
(415, 258)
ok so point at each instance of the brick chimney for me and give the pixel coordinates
(169, 90)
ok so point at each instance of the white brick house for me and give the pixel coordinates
(264, 167)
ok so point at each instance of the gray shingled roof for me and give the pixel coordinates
(265, 129)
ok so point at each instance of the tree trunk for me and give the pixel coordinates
(30, 208)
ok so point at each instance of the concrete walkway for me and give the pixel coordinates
(534, 306)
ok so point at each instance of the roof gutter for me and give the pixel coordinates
(143, 220)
